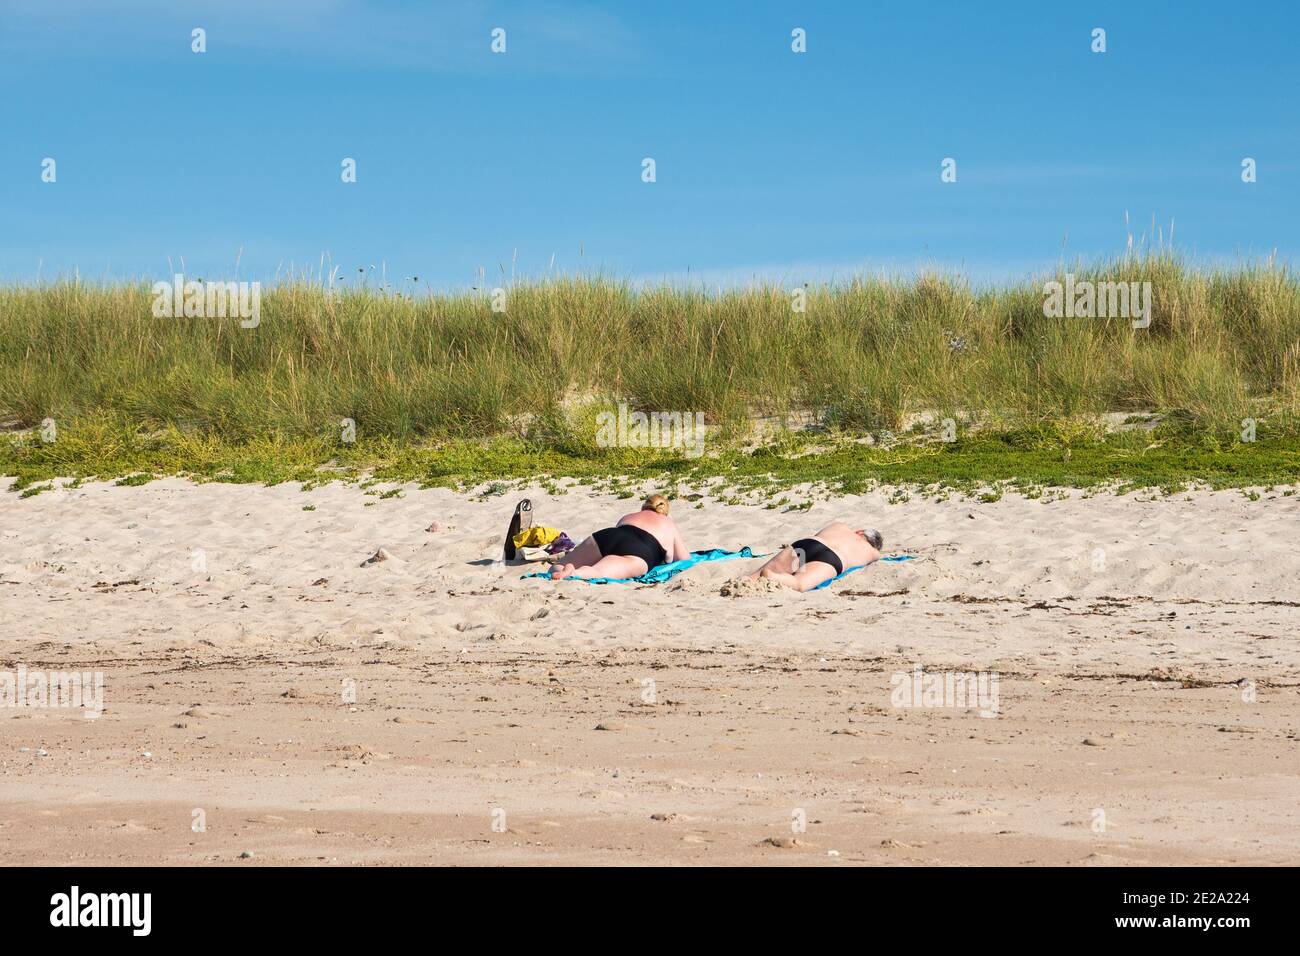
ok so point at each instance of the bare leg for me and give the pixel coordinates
(583, 556)
(616, 566)
(781, 570)
(812, 574)
(780, 563)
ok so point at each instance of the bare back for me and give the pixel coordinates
(852, 548)
(662, 527)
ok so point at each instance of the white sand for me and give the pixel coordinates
(228, 595)
(1207, 556)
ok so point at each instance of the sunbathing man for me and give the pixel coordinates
(813, 561)
(639, 542)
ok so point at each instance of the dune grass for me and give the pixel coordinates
(444, 378)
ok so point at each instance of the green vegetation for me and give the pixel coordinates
(985, 463)
(443, 390)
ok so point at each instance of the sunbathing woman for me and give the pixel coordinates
(639, 542)
(813, 561)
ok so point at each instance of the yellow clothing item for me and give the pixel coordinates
(538, 536)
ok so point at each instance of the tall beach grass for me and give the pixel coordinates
(866, 355)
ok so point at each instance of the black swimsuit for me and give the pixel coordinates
(630, 541)
(814, 550)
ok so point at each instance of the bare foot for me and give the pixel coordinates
(559, 571)
(783, 578)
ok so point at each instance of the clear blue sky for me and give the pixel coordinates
(770, 164)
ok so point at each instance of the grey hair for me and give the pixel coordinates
(874, 536)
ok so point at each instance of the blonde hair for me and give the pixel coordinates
(657, 503)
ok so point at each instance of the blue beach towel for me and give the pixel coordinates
(892, 557)
(662, 572)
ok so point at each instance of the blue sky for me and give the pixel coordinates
(770, 164)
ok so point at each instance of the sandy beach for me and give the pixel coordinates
(269, 699)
